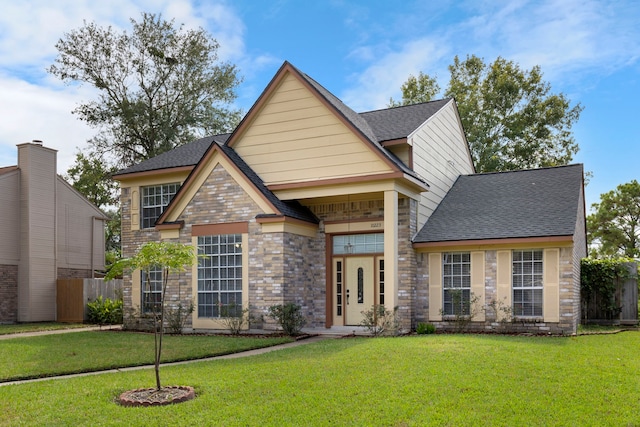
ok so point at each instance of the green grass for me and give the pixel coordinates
(37, 327)
(47, 355)
(434, 380)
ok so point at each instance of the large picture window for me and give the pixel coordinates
(154, 199)
(527, 283)
(456, 283)
(220, 276)
(151, 290)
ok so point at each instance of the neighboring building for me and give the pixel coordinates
(48, 230)
(309, 202)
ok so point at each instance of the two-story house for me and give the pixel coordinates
(307, 201)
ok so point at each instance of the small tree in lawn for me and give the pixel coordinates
(170, 258)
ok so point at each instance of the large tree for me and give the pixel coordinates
(510, 117)
(158, 86)
(614, 226)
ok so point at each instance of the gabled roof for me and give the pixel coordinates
(288, 209)
(291, 209)
(399, 122)
(374, 126)
(521, 204)
(186, 155)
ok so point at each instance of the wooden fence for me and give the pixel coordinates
(72, 296)
(626, 302)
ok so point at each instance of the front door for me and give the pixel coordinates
(359, 287)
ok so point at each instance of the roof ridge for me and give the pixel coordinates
(407, 106)
(525, 170)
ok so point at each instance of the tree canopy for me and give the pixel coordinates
(511, 119)
(614, 226)
(159, 86)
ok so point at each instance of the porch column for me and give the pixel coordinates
(390, 249)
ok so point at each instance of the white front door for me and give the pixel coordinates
(359, 284)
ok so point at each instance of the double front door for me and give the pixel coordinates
(358, 286)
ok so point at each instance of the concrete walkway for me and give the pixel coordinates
(247, 353)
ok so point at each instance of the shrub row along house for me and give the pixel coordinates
(310, 202)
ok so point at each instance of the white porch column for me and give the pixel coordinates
(390, 249)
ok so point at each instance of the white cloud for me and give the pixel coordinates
(383, 78)
(34, 105)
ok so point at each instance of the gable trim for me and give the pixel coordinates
(285, 69)
(346, 180)
(196, 177)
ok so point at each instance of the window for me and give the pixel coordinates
(527, 283)
(220, 276)
(154, 200)
(151, 296)
(358, 244)
(456, 283)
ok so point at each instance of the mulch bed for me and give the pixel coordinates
(153, 397)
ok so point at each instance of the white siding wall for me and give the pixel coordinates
(440, 155)
(10, 214)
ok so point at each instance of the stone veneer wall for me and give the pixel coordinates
(8, 293)
(407, 263)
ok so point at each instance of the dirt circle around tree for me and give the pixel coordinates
(153, 397)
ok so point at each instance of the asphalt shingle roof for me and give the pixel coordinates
(291, 209)
(186, 155)
(399, 122)
(529, 203)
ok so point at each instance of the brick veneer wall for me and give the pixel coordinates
(8, 293)
(567, 285)
(73, 273)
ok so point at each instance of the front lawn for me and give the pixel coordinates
(18, 328)
(439, 380)
(47, 355)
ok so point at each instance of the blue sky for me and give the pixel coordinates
(362, 51)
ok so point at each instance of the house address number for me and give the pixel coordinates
(376, 225)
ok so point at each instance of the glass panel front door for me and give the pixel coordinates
(359, 285)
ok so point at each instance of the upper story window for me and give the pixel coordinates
(527, 283)
(154, 199)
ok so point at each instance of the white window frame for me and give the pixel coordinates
(219, 276)
(527, 282)
(151, 294)
(456, 276)
(155, 198)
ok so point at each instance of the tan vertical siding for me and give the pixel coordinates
(295, 137)
(435, 286)
(551, 290)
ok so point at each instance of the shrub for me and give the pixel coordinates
(380, 321)
(177, 316)
(288, 317)
(425, 328)
(105, 311)
(234, 317)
